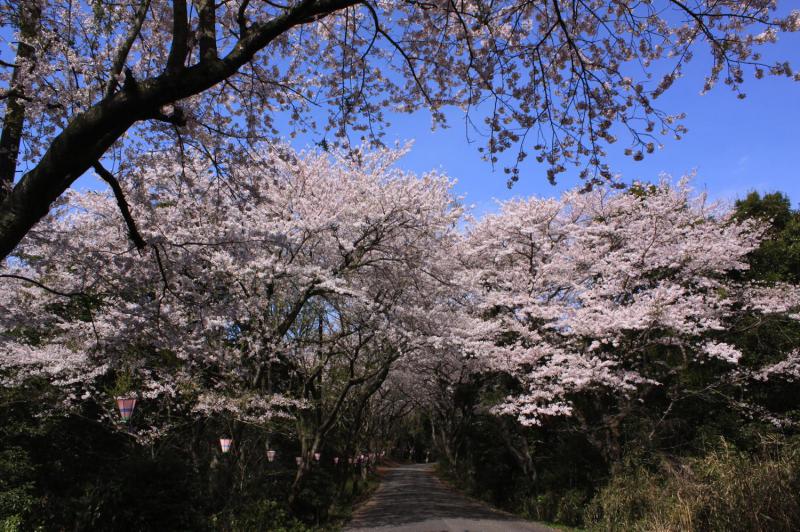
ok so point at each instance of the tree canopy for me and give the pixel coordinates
(97, 83)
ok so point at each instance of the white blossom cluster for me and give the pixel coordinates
(570, 295)
(230, 283)
(346, 272)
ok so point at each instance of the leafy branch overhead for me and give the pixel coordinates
(108, 81)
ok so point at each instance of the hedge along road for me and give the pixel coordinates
(411, 499)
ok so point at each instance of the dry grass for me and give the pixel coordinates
(725, 490)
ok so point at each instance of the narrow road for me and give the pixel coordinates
(411, 499)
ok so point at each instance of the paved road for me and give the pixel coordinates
(411, 499)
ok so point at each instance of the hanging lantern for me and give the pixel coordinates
(350, 461)
(126, 406)
(225, 444)
(336, 460)
(271, 455)
(316, 457)
(298, 459)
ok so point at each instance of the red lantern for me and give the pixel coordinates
(298, 459)
(225, 444)
(271, 455)
(316, 457)
(126, 406)
(336, 460)
(350, 461)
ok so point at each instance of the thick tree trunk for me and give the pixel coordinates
(81, 144)
(308, 446)
(521, 452)
(29, 15)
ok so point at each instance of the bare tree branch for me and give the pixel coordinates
(40, 285)
(207, 31)
(125, 48)
(180, 35)
(133, 231)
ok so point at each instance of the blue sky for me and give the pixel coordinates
(734, 146)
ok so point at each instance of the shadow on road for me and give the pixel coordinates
(411, 495)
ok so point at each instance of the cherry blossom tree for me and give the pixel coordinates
(608, 295)
(99, 83)
(279, 299)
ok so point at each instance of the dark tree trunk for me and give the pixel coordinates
(89, 134)
(14, 120)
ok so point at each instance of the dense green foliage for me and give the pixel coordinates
(690, 456)
(75, 470)
(778, 258)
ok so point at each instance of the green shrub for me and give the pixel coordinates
(12, 523)
(561, 507)
(16, 488)
(264, 514)
(541, 507)
(570, 507)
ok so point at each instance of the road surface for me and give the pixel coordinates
(411, 499)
